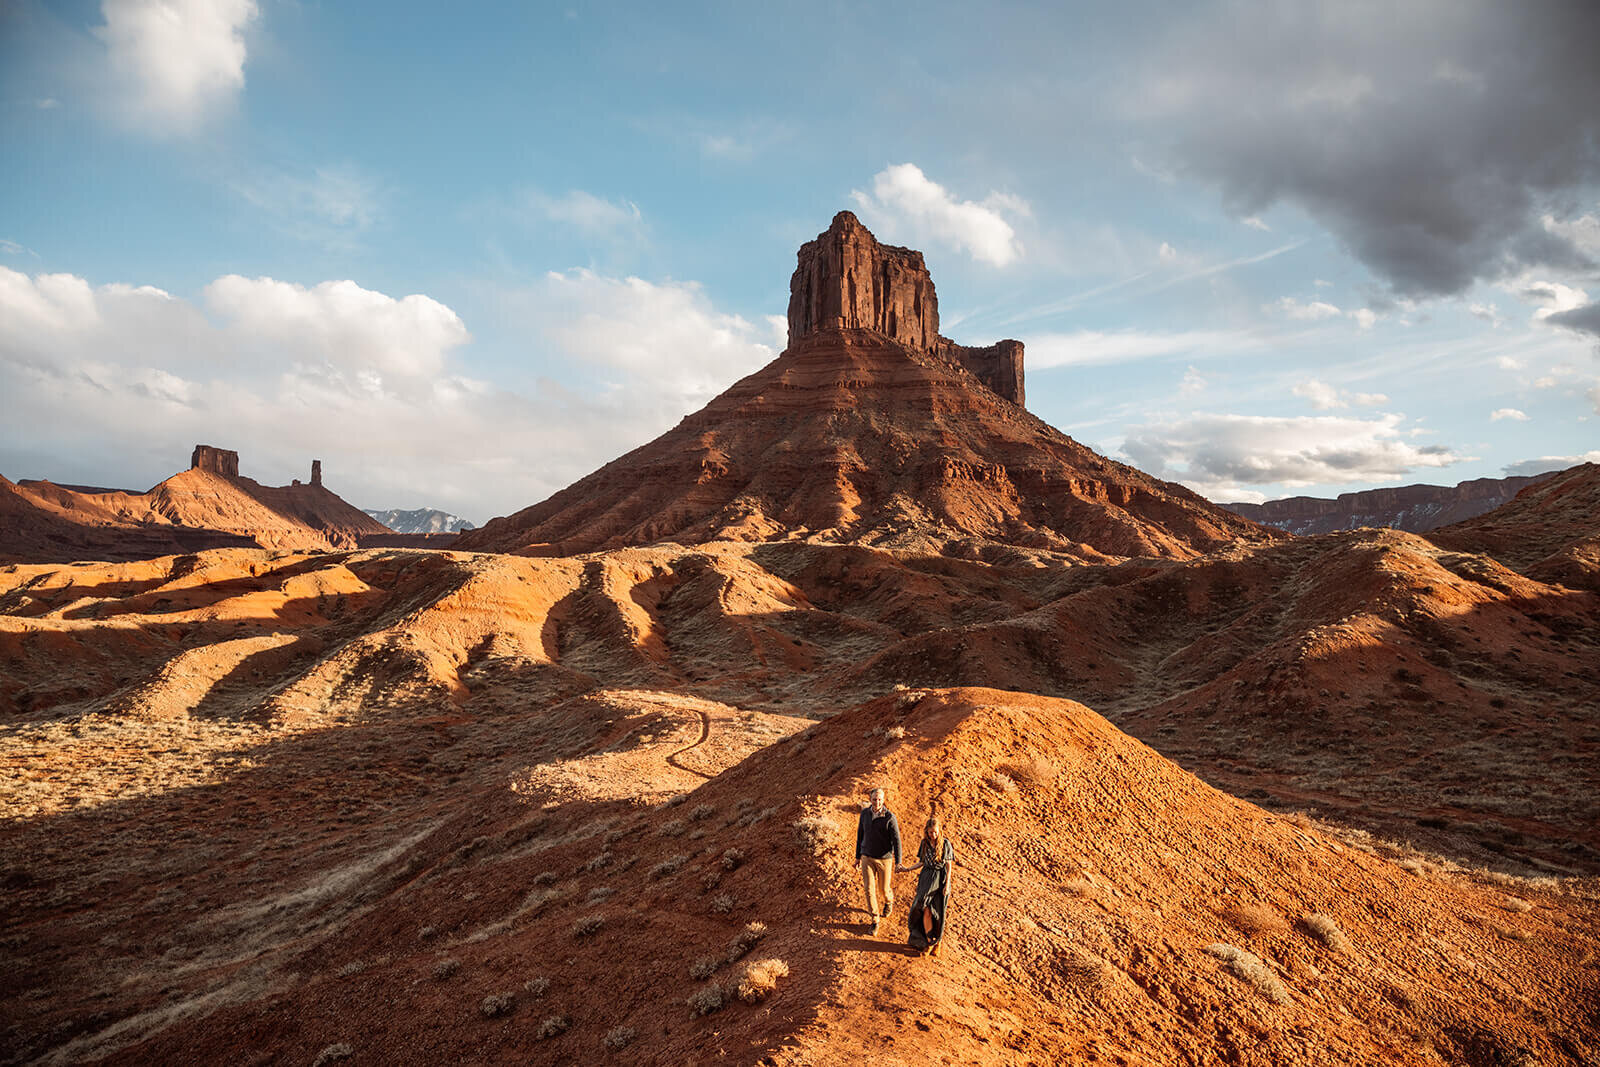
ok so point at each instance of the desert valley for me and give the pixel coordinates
(581, 785)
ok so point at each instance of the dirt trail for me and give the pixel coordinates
(705, 735)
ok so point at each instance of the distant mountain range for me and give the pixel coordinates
(420, 521)
(1414, 508)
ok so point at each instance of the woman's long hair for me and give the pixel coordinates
(934, 832)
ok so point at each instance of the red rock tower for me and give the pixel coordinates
(316, 472)
(847, 280)
(222, 461)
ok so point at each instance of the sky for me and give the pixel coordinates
(465, 254)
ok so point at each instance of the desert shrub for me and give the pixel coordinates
(589, 924)
(704, 968)
(444, 968)
(812, 833)
(675, 801)
(427, 932)
(544, 878)
(1255, 920)
(1083, 968)
(613, 836)
(536, 987)
(1324, 929)
(497, 1004)
(731, 859)
(552, 1026)
(1001, 782)
(697, 833)
(705, 1000)
(599, 860)
(670, 865)
(1516, 904)
(620, 1037)
(1080, 887)
(760, 978)
(1249, 968)
(746, 939)
(745, 802)
(895, 733)
(671, 828)
(353, 967)
(1035, 772)
(723, 903)
(701, 812)
(333, 1054)
(710, 880)
(599, 893)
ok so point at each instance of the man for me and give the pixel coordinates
(878, 853)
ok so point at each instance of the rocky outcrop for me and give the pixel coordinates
(847, 280)
(316, 472)
(223, 461)
(1415, 508)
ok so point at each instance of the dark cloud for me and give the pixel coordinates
(1584, 319)
(1432, 137)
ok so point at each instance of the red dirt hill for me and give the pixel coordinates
(206, 506)
(1549, 531)
(872, 428)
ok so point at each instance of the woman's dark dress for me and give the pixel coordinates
(933, 893)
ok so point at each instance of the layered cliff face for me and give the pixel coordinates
(1415, 508)
(871, 428)
(847, 280)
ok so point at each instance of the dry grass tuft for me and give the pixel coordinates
(445, 968)
(723, 903)
(536, 987)
(497, 1004)
(544, 878)
(895, 733)
(599, 860)
(671, 828)
(589, 924)
(812, 833)
(1324, 929)
(701, 812)
(1249, 968)
(1257, 920)
(671, 865)
(1516, 904)
(746, 939)
(552, 1026)
(620, 1037)
(1001, 782)
(731, 859)
(1035, 772)
(1083, 968)
(760, 978)
(333, 1054)
(705, 1000)
(704, 968)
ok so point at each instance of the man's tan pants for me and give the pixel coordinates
(876, 880)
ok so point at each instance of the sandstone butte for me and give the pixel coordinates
(1218, 796)
(872, 428)
(207, 506)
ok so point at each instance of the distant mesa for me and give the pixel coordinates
(1414, 508)
(847, 280)
(210, 505)
(873, 428)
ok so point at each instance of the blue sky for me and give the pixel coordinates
(466, 258)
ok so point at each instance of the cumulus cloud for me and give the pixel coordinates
(1584, 318)
(115, 383)
(1215, 454)
(1544, 464)
(175, 62)
(905, 201)
(1325, 397)
(1507, 413)
(1318, 310)
(1487, 312)
(1434, 139)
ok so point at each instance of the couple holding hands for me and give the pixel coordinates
(878, 854)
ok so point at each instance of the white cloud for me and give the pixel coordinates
(588, 212)
(175, 61)
(1583, 232)
(1487, 312)
(1317, 309)
(1085, 347)
(1364, 317)
(1507, 413)
(118, 382)
(1216, 454)
(905, 200)
(331, 205)
(1193, 382)
(1529, 467)
(1508, 363)
(1255, 223)
(1166, 253)
(664, 338)
(1593, 394)
(1551, 298)
(1325, 397)
(340, 323)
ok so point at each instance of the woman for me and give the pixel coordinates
(936, 858)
